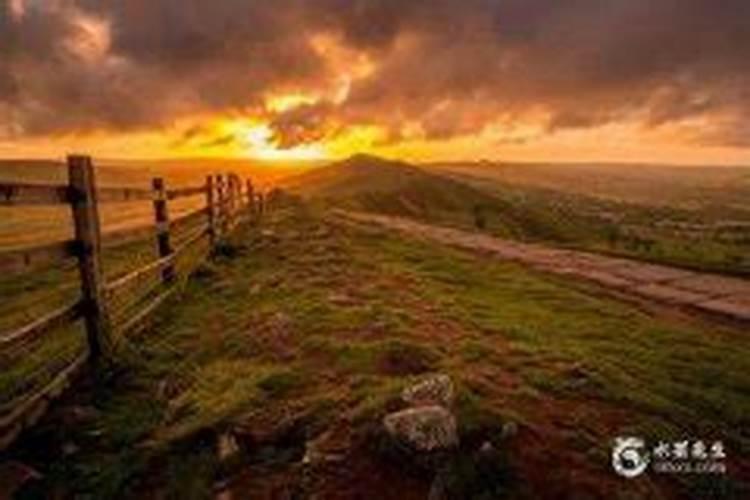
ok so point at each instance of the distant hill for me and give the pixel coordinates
(689, 187)
(373, 184)
(370, 183)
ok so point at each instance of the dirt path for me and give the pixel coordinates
(704, 292)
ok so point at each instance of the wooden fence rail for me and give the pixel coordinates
(225, 205)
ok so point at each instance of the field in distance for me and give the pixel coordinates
(694, 217)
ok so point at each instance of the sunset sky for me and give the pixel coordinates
(544, 80)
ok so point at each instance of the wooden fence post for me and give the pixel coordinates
(211, 207)
(250, 196)
(232, 200)
(261, 204)
(237, 196)
(238, 189)
(222, 204)
(85, 210)
(161, 215)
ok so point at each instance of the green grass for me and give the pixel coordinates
(619, 214)
(327, 322)
(28, 297)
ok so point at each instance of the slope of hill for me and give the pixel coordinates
(724, 191)
(373, 184)
(558, 216)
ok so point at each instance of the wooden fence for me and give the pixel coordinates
(226, 201)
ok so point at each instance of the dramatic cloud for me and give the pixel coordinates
(434, 69)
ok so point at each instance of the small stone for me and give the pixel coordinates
(487, 448)
(435, 390)
(510, 429)
(426, 428)
(227, 446)
(331, 446)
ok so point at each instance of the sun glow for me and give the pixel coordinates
(287, 102)
(258, 142)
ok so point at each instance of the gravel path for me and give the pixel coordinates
(708, 293)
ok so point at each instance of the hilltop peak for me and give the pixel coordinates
(364, 159)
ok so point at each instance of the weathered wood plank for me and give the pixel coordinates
(33, 194)
(33, 331)
(115, 239)
(129, 278)
(22, 413)
(186, 219)
(122, 195)
(139, 317)
(173, 194)
(191, 239)
(211, 209)
(26, 259)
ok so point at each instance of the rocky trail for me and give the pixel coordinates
(711, 294)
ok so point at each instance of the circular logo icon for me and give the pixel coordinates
(629, 457)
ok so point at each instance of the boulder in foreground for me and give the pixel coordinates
(427, 428)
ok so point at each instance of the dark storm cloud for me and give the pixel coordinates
(452, 66)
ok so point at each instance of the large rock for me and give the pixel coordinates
(434, 390)
(427, 428)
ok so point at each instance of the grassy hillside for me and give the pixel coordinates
(725, 190)
(305, 331)
(704, 238)
(369, 183)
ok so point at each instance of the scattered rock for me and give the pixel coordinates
(434, 390)
(487, 448)
(329, 447)
(162, 390)
(427, 428)
(227, 446)
(510, 429)
(169, 388)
